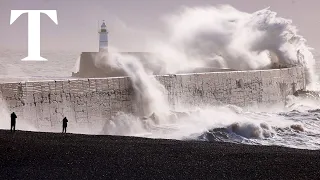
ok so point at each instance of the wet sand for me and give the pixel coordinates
(28, 155)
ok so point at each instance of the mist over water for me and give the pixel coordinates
(219, 37)
(5, 122)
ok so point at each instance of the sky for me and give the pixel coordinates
(130, 22)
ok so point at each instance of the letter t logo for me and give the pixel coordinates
(34, 30)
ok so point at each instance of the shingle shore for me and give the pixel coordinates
(30, 155)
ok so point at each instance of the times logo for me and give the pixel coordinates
(33, 30)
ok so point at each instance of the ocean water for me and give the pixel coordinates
(59, 65)
(217, 41)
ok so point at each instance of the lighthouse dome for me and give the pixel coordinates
(103, 25)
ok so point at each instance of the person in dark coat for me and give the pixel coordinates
(64, 125)
(13, 122)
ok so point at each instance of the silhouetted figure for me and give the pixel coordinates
(13, 122)
(64, 125)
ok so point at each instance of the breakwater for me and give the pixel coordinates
(89, 103)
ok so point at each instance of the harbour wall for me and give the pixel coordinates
(90, 103)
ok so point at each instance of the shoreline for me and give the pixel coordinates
(39, 155)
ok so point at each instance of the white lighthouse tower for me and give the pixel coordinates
(103, 38)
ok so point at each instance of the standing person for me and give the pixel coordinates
(13, 122)
(64, 125)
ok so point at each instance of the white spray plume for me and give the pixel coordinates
(149, 93)
(224, 37)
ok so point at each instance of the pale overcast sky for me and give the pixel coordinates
(130, 21)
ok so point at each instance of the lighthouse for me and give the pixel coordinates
(103, 38)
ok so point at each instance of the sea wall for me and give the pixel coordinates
(89, 103)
